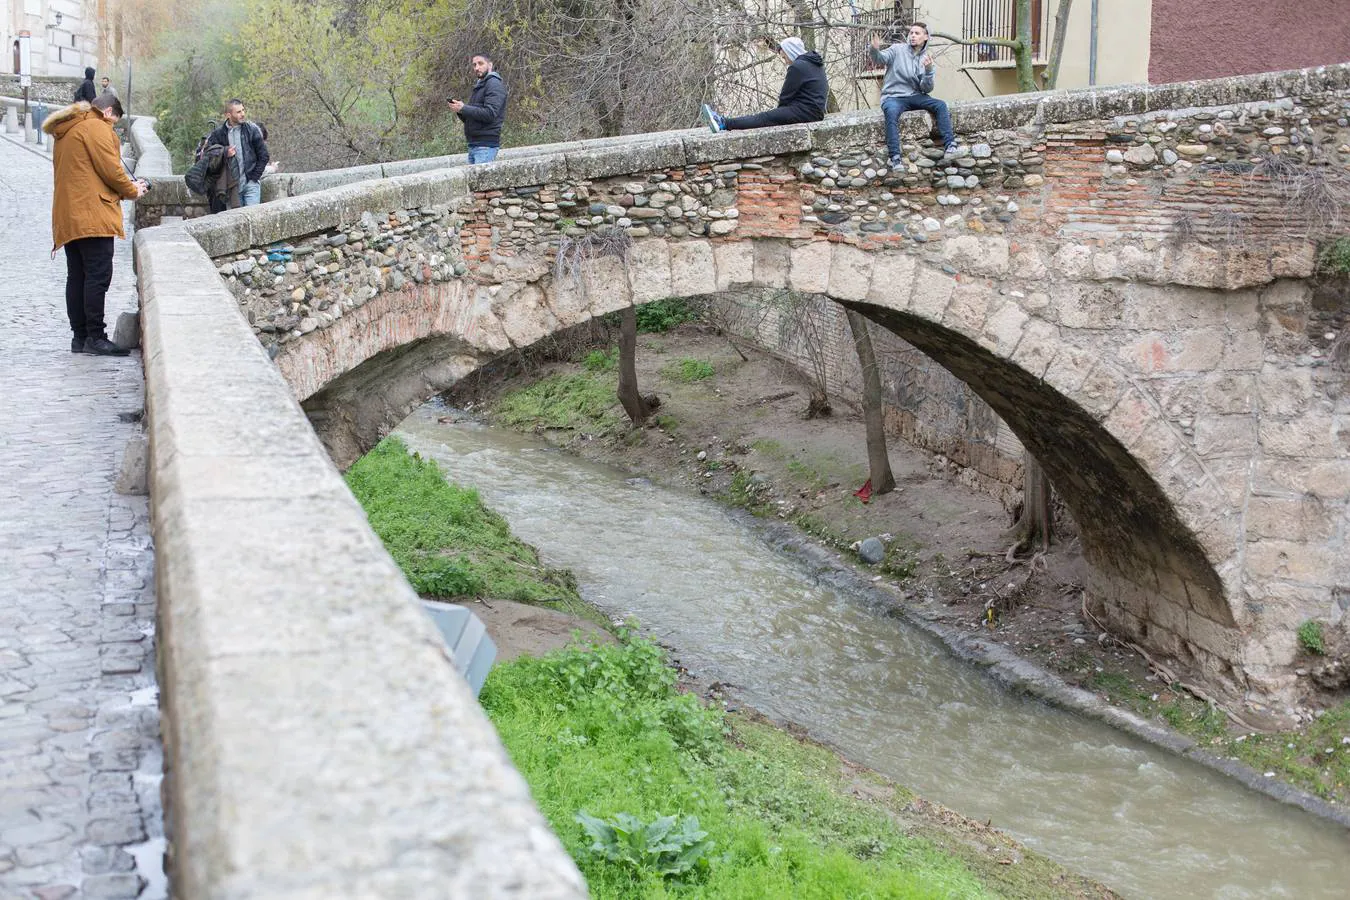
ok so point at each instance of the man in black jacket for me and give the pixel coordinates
(246, 153)
(483, 114)
(86, 91)
(802, 99)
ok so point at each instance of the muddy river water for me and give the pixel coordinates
(1142, 821)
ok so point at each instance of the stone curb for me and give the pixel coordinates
(318, 741)
(1022, 675)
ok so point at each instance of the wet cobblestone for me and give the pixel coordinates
(80, 753)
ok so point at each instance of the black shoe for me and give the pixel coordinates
(76, 344)
(101, 346)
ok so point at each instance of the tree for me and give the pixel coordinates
(1022, 46)
(878, 462)
(638, 407)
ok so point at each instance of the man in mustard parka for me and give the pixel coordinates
(87, 212)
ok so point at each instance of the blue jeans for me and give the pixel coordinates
(481, 153)
(250, 193)
(892, 108)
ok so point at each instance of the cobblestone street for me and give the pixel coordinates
(80, 754)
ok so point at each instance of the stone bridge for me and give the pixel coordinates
(1125, 276)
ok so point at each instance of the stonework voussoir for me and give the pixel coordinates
(735, 261)
(693, 270)
(810, 272)
(892, 280)
(850, 273)
(649, 270)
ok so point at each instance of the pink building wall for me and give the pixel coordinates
(1193, 39)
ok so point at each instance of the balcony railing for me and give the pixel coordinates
(998, 19)
(891, 22)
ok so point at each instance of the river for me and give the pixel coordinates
(1137, 818)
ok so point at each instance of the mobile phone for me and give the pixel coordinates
(449, 99)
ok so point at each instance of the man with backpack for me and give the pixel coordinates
(484, 113)
(86, 91)
(245, 155)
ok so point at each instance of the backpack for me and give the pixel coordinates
(202, 173)
(202, 142)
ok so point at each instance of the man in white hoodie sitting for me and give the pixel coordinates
(907, 85)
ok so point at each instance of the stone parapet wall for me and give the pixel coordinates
(319, 742)
(54, 90)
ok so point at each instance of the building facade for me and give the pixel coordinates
(63, 34)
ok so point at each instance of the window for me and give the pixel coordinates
(998, 19)
(891, 22)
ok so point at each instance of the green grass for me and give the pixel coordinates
(447, 542)
(1315, 759)
(574, 402)
(688, 370)
(1298, 757)
(604, 731)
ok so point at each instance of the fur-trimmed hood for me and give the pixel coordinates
(65, 118)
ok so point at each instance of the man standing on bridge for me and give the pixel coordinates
(246, 154)
(90, 182)
(484, 113)
(907, 85)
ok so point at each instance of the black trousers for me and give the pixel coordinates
(782, 115)
(89, 266)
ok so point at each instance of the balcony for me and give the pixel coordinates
(998, 19)
(891, 22)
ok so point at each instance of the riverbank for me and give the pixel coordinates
(609, 730)
(733, 428)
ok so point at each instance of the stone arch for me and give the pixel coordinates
(1156, 531)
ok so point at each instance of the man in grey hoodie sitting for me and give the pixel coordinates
(908, 85)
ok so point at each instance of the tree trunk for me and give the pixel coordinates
(1033, 529)
(1023, 52)
(637, 406)
(878, 463)
(1057, 48)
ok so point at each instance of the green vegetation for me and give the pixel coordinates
(575, 402)
(688, 370)
(650, 797)
(1315, 759)
(1333, 259)
(601, 360)
(1310, 637)
(447, 542)
(663, 315)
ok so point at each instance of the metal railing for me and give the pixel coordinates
(891, 22)
(998, 19)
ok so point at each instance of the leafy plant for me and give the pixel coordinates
(667, 846)
(1310, 637)
(601, 360)
(1334, 257)
(663, 315)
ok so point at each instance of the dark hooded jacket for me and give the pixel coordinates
(86, 91)
(485, 111)
(256, 155)
(805, 88)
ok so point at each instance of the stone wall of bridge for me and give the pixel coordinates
(1118, 274)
